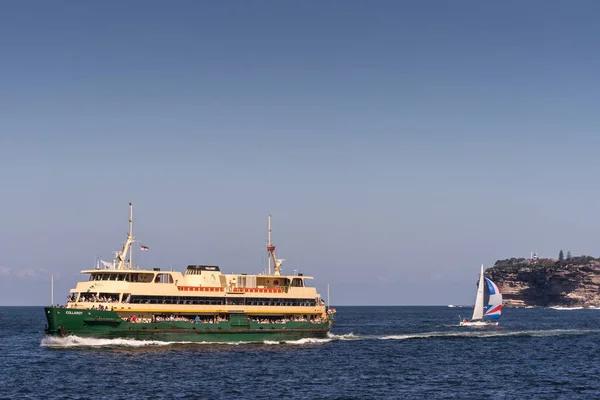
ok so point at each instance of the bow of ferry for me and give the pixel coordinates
(201, 304)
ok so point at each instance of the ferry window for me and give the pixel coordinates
(297, 282)
(92, 277)
(108, 297)
(235, 301)
(142, 278)
(163, 278)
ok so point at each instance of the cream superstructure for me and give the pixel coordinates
(201, 289)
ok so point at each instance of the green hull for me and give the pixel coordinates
(108, 324)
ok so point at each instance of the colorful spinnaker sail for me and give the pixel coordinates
(493, 309)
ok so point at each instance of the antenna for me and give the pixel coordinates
(52, 291)
(328, 304)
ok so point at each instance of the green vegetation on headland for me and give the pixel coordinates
(514, 264)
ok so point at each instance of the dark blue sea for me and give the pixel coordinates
(373, 353)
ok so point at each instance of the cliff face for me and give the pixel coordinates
(548, 283)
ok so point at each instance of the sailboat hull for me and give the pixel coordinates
(478, 323)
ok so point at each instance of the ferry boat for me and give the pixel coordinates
(201, 304)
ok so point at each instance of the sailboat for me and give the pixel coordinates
(488, 304)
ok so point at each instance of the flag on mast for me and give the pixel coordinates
(144, 248)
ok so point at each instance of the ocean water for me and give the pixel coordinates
(373, 353)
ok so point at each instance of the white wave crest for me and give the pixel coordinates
(346, 336)
(270, 342)
(308, 341)
(76, 341)
(298, 342)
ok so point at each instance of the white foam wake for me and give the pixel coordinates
(346, 336)
(487, 334)
(76, 341)
(299, 341)
(270, 342)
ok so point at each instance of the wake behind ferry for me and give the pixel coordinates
(202, 304)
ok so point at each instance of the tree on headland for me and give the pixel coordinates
(568, 254)
(561, 256)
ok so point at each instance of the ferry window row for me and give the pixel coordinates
(129, 277)
(249, 301)
(141, 277)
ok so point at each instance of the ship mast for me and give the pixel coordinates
(271, 251)
(269, 246)
(130, 231)
(122, 255)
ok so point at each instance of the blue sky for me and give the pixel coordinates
(398, 145)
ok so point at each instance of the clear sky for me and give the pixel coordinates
(398, 145)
